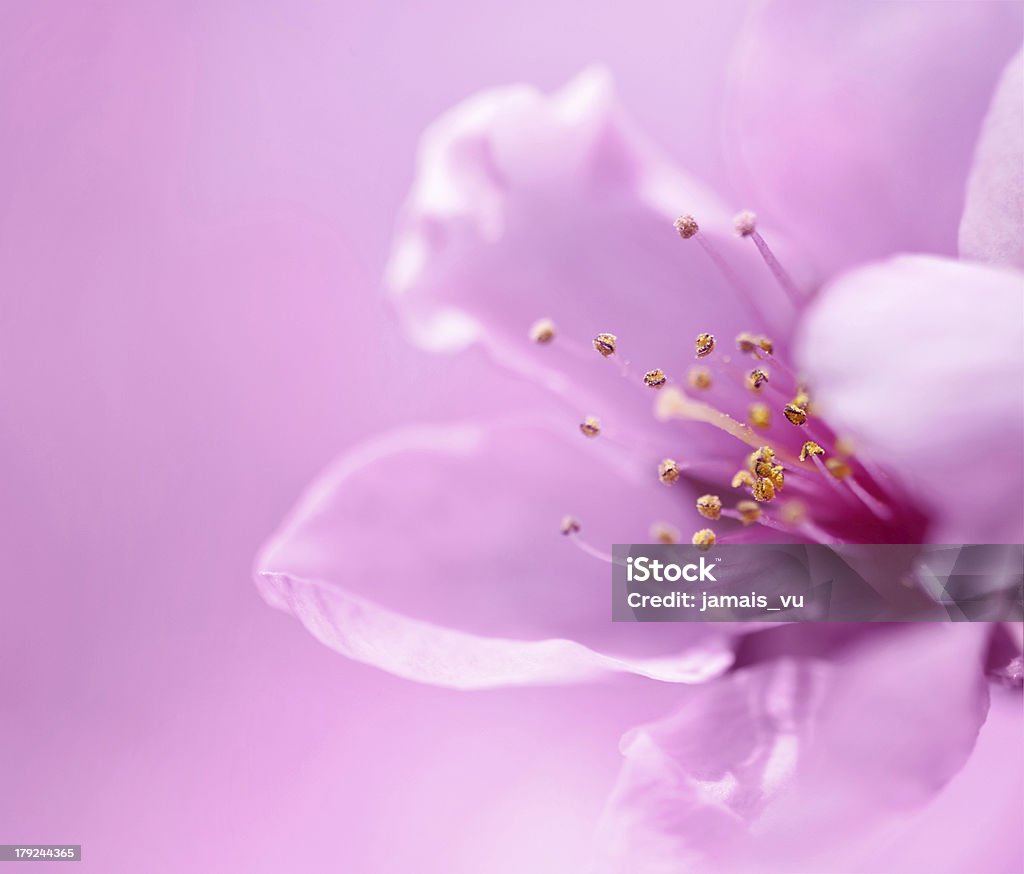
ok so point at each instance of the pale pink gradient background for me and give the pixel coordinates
(196, 206)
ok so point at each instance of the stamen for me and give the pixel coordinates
(746, 342)
(709, 506)
(756, 378)
(704, 345)
(669, 471)
(796, 415)
(742, 478)
(703, 539)
(699, 378)
(838, 468)
(686, 226)
(542, 331)
(748, 511)
(760, 461)
(673, 404)
(764, 489)
(845, 447)
(793, 512)
(745, 223)
(872, 503)
(810, 448)
(605, 344)
(662, 532)
(590, 427)
(570, 525)
(592, 551)
(655, 378)
(778, 271)
(760, 415)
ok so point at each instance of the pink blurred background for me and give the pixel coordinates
(196, 208)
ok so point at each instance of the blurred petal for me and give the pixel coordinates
(992, 228)
(991, 782)
(794, 765)
(856, 122)
(528, 206)
(921, 361)
(435, 553)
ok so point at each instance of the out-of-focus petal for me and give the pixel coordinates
(435, 553)
(992, 228)
(856, 122)
(528, 206)
(921, 361)
(800, 765)
(978, 814)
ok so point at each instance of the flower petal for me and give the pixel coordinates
(856, 121)
(528, 206)
(992, 228)
(921, 361)
(435, 553)
(800, 765)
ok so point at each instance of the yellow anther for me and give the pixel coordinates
(742, 478)
(590, 427)
(766, 345)
(605, 344)
(777, 477)
(761, 460)
(709, 506)
(746, 342)
(705, 343)
(655, 378)
(570, 525)
(699, 378)
(703, 539)
(796, 415)
(543, 331)
(745, 223)
(756, 378)
(760, 415)
(749, 512)
(793, 512)
(686, 226)
(845, 446)
(802, 399)
(669, 471)
(839, 469)
(662, 532)
(764, 489)
(810, 448)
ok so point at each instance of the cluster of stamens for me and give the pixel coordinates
(763, 473)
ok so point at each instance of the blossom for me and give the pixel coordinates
(688, 371)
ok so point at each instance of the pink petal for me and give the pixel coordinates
(800, 765)
(435, 553)
(992, 228)
(921, 361)
(856, 122)
(978, 814)
(528, 206)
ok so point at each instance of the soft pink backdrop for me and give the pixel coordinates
(196, 205)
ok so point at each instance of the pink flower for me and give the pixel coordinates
(740, 383)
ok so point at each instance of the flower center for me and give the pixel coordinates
(801, 480)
